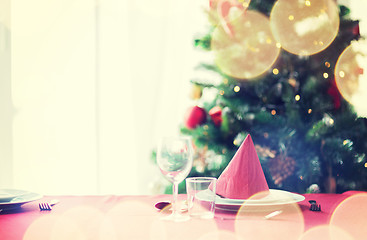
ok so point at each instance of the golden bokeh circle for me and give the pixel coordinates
(248, 50)
(351, 75)
(287, 222)
(350, 216)
(326, 232)
(216, 235)
(305, 27)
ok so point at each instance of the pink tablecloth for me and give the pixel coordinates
(134, 217)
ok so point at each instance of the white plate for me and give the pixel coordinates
(15, 198)
(275, 198)
(6, 195)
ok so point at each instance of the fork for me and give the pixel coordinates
(47, 205)
(314, 206)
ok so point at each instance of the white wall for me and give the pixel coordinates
(53, 81)
(87, 88)
(6, 107)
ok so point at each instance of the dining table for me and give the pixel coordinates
(82, 217)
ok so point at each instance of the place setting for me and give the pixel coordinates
(11, 199)
(240, 189)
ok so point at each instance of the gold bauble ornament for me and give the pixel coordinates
(196, 92)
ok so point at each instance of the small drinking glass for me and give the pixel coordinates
(201, 197)
(174, 158)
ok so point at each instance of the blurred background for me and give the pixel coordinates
(88, 87)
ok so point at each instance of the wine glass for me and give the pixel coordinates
(174, 158)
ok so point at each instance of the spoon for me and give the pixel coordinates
(162, 205)
(166, 205)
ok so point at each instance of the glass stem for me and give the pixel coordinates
(175, 199)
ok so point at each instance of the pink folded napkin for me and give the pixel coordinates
(243, 177)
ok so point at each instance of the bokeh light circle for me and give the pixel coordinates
(41, 228)
(305, 27)
(351, 75)
(195, 228)
(220, 235)
(350, 215)
(248, 50)
(251, 222)
(80, 222)
(126, 218)
(86, 218)
(225, 11)
(326, 232)
(55, 228)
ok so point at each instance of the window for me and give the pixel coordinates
(87, 87)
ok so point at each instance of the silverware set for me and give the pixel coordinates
(314, 206)
(47, 206)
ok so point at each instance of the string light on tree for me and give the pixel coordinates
(275, 71)
(328, 121)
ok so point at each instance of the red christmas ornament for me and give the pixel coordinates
(194, 117)
(216, 115)
(334, 93)
(356, 31)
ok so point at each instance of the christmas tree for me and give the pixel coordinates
(277, 73)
